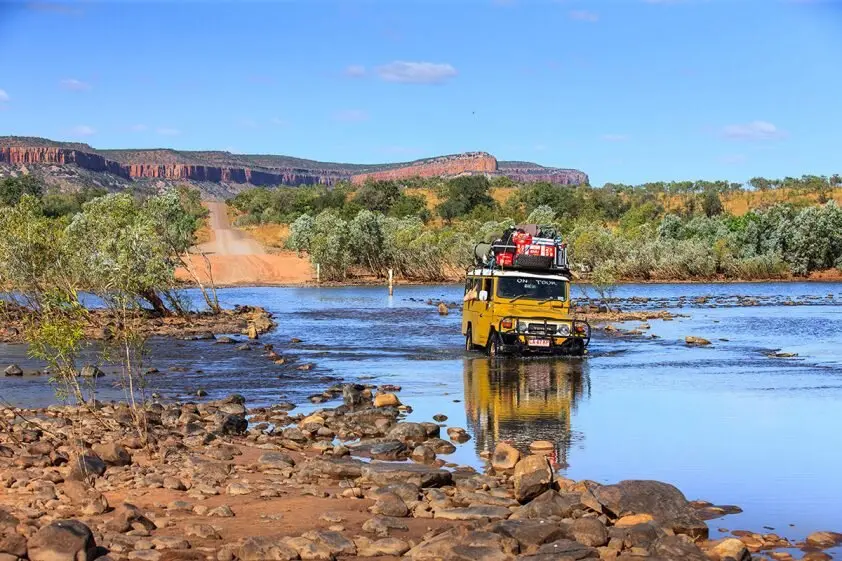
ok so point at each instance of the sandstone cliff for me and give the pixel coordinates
(230, 171)
(471, 162)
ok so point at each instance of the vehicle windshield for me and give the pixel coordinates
(531, 288)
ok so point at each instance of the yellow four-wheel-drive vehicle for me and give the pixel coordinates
(517, 299)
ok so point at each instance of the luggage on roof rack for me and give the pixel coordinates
(527, 247)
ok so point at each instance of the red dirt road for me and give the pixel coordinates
(237, 259)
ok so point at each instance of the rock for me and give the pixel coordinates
(112, 454)
(390, 504)
(824, 539)
(730, 547)
(566, 550)
(386, 400)
(678, 547)
(263, 548)
(380, 548)
(442, 308)
(532, 477)
(589, 531)
(63, 540)
(222, 511)
(86, 466)
(80, 494)
(661, 500)
(91, 371)
(633, 520)
(696, 341)
(352, 396)
(458, 434)
(238, 488)
(423, 455)
(459, 544)
(381, 525)
(233, 424)
(473, 513)
(542, 447)
(505, 457)
(174, 483)
(408, 432)
(13, 370)
(127, 517)
(551, 504)
(530, 534)
(203, 531)
(391, 450)
(439, 417)
(440, 446)
(252, 331)
(310, 550)
(383, 473)
(334, 541)
(275, 460)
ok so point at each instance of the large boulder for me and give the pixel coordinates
(678, 547)
(352, 396)
(262, 548)
(530, 534)
(112, 454)
(383, 473)
(275, 460)
(533, 475)
(550, 504)
(505, 457)
(664, 502)
(63, 540)
(408, 432)
(86, 466)
(386, 400)
(459, 544)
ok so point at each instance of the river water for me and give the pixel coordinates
(725, 423)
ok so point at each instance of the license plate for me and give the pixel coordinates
(535, 342)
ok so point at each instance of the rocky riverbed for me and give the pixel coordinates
(247, 320)
(220, 481)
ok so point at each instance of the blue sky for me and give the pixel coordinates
(627, 91)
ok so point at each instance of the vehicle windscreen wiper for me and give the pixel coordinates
(546, 300)
(516, 297)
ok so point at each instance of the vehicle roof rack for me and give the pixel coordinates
(526, 247)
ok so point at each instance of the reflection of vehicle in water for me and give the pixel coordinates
(517, 299)
(524, 401)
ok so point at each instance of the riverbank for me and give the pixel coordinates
(224, 482)
(192, 325)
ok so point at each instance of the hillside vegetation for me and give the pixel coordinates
(425, 229)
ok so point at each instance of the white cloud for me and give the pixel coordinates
(416, 72)
(168, 131)
(755, 130)
(74, 85)
(138, 128)
(351, 116)
(584, 15)
(82, 130)
(4, 96)
(354, 71)
(614, 137)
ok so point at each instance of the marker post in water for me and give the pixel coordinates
(391, 283)
(318, 273)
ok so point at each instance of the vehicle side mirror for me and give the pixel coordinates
(483, 296)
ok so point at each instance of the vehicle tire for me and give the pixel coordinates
(493, 347)
(469, 340)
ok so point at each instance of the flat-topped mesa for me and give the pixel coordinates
(28, 155)
(469, 162)
(558, 176)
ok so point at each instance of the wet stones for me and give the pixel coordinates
(386, 400)
(408, 432)
(390, 450)
(696, 341)
(729, 548)
(13, 370)
(505, 457)
(423, 455)
(533, 475)
(352, 396)
(439, 417)
(824, 539)
(63, 540)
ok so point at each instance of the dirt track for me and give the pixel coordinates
(237, 259)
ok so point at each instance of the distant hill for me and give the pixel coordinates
(218, 173)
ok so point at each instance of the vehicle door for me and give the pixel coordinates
(484, 311)
(469, 306)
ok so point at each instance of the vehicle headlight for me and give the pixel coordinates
(563, 329)
(522, 326)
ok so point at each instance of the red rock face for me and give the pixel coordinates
(18, 155)
(438, 167)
